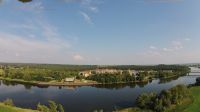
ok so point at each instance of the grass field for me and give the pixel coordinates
(4, 108)
(194, 107)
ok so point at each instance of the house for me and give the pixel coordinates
(168, 71)
(110, 71)
(133, 72)
(71, 79)
(152, 71)
(86, 73)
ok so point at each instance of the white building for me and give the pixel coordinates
(71, 79)
(86, 73)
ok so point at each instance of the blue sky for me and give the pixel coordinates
(100, 31)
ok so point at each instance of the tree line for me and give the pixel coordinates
(49, 72)
(165, 100)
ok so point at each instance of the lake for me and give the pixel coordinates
(86, 98)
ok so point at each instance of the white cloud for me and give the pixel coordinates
(153, 47)
(93, 9)
(51, 34)
(16, 48)
(86, 17)
(32, 6)
(187, 39)
(167, 50)
(87, 6)
(154, 53)
(43, 45)
(78, 57)
(177, 45)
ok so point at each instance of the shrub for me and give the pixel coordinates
(8, 102)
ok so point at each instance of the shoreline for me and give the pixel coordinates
(76, 83)
(38, 83)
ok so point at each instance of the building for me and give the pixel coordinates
(71, 79)
(168, 71)
(86, 73)
(109, 71)
(133, 72)
(152, 71)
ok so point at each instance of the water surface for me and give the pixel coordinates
(86, 98)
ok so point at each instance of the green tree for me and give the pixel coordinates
(60, 108)
(53, 106)
(42, 108)
(159, 106)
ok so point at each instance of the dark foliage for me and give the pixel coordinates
(165, 99)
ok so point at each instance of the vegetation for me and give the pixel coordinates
(28, 73)
(145, 73)
(8, 106)
(34, 72)
(164, 100)
(170, 100)
(112, 78)
(8, 102)
(146, 68)
(176, 99)
(194, 107)
(53, 107)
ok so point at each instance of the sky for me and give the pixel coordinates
(104, 32)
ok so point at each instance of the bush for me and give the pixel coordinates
(159, 102)
(53, 107)
(8, 102)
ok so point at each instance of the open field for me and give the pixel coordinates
(194, 107)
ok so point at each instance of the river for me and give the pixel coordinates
(86, 98)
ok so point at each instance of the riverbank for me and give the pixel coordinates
(75, 83)
(51, 83)
(6, 108)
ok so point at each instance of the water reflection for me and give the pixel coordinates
(105, 86)
(86, 98)
(162, 81)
